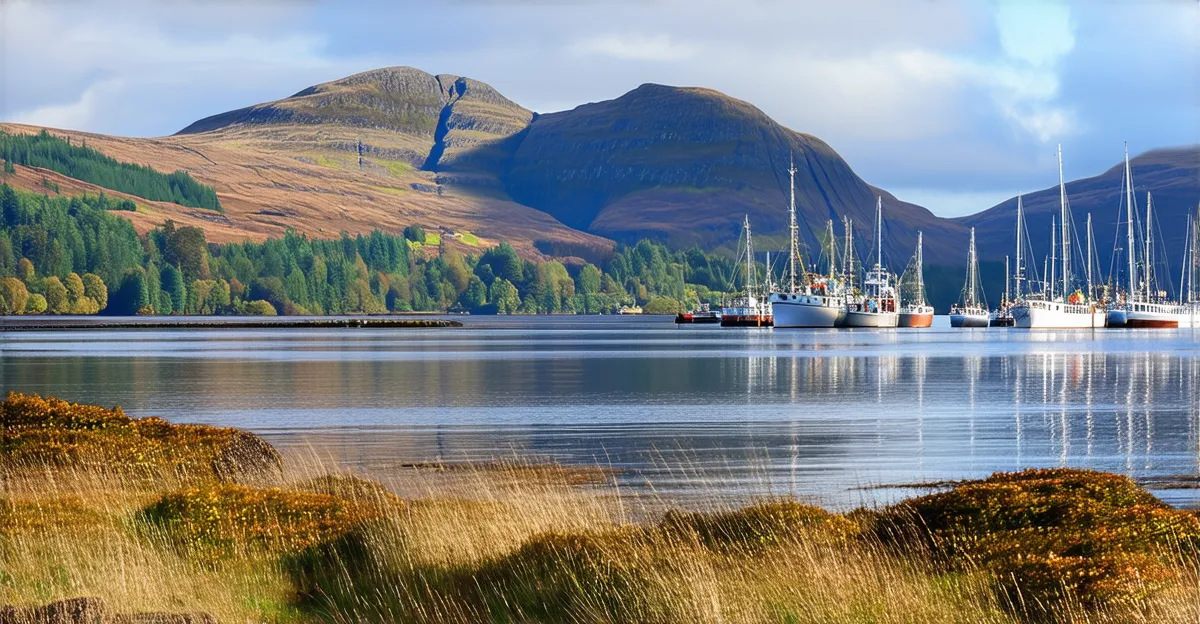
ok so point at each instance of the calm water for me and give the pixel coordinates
(825, 415)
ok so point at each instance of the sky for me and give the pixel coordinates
(951, 104)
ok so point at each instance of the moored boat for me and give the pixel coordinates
(1064, 309)
(970, 311)
(876, 307)
(809, 300)
(749, 310)
(916, 313)
(700, 316)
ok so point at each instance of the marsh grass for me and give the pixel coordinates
(519, 542)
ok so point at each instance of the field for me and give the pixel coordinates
(146, 517)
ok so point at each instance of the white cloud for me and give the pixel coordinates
(634, 47)
(73, 115)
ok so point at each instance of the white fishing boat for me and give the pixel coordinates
(810, 300)
(1149, 307)
(751, 309)
(1065, 309)
(970, 311)
(918, 312)
(877, 305)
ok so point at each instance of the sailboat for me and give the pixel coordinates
(1148, 307)
(750, 310)
(1003, 316)
(811, 300)
(877, 306)
(918, 312)
(972, 313)
(1066, 309)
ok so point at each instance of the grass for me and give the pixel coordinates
(511, 542)
(433, 239)
(469, 239)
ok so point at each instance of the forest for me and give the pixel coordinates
(84, 163)
(70, 255)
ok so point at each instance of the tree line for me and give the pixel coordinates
(70, 255)
(84, 163)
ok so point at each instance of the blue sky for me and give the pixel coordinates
(952, 104)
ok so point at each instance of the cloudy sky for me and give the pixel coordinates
(952, 104)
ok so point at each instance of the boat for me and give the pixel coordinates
(749, 310)
(918, 312)
(1148, 307)
(810, 300)
(630, 310)
(971, 312)
(876, 307)
(699, 316)
(1064, 309)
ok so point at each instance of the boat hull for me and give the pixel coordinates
(1001, 321)
(872, 319)
(1158, 316)
(698, 318)
(915, 319)
(968, 320)
(1059, 316)
(805, 311)
(747, 320)
(1117, 318)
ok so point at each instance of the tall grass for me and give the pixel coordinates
(517, 542)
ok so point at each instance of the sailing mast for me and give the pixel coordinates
(971, 268)
(832, 248)
(879, 246)
(1149, 259)
(1091, 295)
(792, 229)
(920, 269)
(1020, 274)
(1129, 225)
(1184, 268)
(1066, 230)
(848, 253)
(749, 263)
(1053, 260)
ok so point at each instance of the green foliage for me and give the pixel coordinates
(663, 305)
(258, 307)
(14, 294)
(44, 240)
(35, 305)
(83, 163)
(414, 233)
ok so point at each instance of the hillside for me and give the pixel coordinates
(397, 146)
(1172, 174)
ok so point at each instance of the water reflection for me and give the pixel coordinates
(816, 414)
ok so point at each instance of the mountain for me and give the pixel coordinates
(398, 146)
(685, 164)
(1171, 174)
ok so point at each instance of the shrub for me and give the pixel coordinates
(1051, 536)
(662, 305)
(36, 304)
(258, 307)
(40, 432)
(215, 521)
(760, 526)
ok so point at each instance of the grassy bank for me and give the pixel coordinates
(149, 517)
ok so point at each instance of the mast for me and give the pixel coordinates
(920, 269)
(1020, 274)
(848, 253)
(1129, 225)
(749, 262)
(971, 268)
(794, 250)
(879, 246)
(1066, 229)
(1053, 258)
(1149, 259)
(1195, 259)
(767, 280)
(832, 248)
(1091, 295)
(1183, 268)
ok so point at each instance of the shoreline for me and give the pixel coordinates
(213, 322)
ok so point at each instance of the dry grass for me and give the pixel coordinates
(522, 543)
